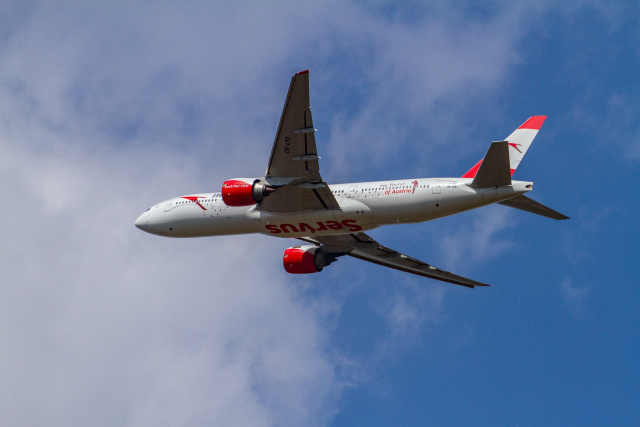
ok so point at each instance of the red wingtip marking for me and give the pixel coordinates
(534, 122)
(302, 72)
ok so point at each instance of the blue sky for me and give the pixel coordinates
(109, 107)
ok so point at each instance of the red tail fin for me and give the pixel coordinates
(519, 142)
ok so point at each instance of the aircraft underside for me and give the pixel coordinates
(367, 206)
(293, 201)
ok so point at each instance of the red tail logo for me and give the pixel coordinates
(514, 145)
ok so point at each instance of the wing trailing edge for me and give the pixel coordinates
(293, 166)
(362, 246)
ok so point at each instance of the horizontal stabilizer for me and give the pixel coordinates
(524, 203)
(494, 170)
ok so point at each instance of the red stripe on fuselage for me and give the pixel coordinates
(194, 199)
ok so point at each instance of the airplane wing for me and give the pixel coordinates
(360, 245)
(293, 166)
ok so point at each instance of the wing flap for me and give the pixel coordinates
(294, 157)
(294, 153)
(362, 246)
(407, 264)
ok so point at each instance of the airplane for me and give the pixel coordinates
(293, 201)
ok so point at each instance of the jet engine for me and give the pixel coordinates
(245, 191)
(306, 259)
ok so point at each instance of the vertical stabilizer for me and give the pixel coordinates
(494, 170)
(519, 142)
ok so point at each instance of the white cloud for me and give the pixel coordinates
(575, 298)
(479, 238)
(412, 308)
(108, 326)
(105, 325)
(107, 108)
(423, 79)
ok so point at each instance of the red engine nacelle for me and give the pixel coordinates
(244, 192)
(301, 260)
(306, 259)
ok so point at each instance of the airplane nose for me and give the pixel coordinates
(142, 220)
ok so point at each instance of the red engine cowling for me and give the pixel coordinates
(244, 192)
(303, 260)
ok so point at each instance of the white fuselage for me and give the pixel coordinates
(363, 206)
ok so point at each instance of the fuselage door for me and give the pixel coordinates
(436, 188)
(352, 192)
(168, 206)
